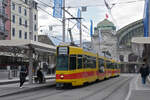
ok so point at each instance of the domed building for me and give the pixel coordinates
(104, 39)
(106, 25)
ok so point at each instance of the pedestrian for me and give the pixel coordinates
(40, 75)
(144, 71)
(23, 74)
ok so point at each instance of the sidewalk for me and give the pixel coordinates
(11, 89)
(138, 91)
(16, 80)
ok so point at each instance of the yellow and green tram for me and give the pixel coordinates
(76, 67)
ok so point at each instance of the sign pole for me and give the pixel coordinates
(63, 21)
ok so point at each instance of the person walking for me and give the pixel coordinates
(40, 75)
(144, 71)
(23, 74)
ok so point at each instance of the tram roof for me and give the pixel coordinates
(24, 43)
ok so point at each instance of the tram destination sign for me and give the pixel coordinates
(63, 50)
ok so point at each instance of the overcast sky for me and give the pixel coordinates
(123, 13)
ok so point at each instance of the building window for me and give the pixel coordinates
(20, 21)
(34, 17)
(25, 35)
(34, 37)
(25, 23)
(35, 27)
(2, 25)
(13, 6)
(26, 1)
(30, 35)
(3, 9)
(13, 18)
(35, 5)
(20, 33)
(13, 31)
(19, 9)
(25, 12)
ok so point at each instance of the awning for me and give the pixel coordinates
(141, 40)
(138, 45)
(25, 43)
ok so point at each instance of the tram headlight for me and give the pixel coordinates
(61, 76)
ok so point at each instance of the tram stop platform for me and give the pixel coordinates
(11, 87)
(16, 80)
(138, 91)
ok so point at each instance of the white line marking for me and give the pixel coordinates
(132, 86)
(136, 82)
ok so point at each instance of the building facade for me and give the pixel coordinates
(18, 21)
(104, 39)
(125, 34)
(126, 51)
(3, 18)
(21, 18)
(117, 44)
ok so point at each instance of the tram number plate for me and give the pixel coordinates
(63, 50)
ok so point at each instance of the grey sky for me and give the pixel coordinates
(123, 13)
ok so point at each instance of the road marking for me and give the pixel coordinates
(132, 86)
(136, 82)
(130, 90)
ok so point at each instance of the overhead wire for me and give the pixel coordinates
(64, 10)
(48, 13)
(96, 5)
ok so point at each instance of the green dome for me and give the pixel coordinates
(106, 25)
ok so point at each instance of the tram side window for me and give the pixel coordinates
(101, 65)
(116, 66)
(111, 65)
(79, 61)
(94, 62)
(108, 64)
(72, 62)
(88, 62)
(84, 61)
(91, 62)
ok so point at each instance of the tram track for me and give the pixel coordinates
(93, 89)
(58, 92)
(110, 85)
(116, 89)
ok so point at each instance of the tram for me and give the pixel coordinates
(77, 67)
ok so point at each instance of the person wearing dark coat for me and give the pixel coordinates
(40, 75)
(144, 71)
(23, 74)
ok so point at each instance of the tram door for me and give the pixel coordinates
(101, 68)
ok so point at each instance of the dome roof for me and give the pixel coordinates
(106, 24)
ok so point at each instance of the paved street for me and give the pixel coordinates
(138, 90)
(113, 89)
